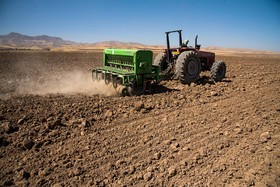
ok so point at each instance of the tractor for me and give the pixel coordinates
(133, 72)
(186, 62)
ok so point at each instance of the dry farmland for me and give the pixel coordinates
(58, 128)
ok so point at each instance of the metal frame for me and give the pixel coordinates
(168, 52)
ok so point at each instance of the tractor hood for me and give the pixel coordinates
(207, 55)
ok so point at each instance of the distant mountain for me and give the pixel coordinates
(43, 41)
(17, 40)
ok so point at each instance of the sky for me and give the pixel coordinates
(253, 24)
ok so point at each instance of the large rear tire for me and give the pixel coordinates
(160, 61)
(218, 71)
(188, 67)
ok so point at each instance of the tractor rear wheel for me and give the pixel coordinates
(160, 61)
(188, 67)
(218, 71)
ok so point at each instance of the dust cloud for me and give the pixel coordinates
(74, 82)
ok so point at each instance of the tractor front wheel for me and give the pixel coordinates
(188, 67)
(218, 71)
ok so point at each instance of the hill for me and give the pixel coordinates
(17, 40)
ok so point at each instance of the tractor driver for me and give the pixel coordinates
(185, 43)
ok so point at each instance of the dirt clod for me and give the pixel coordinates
(8, 128)
(139, 105)
(3, 142)
(172, 171)
(28, 144)
(264, 137)
(157, 156)
(148, 176)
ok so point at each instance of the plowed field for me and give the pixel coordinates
(58, 128)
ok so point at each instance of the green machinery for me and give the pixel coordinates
(129, 71)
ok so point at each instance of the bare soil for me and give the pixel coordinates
(57, 128)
